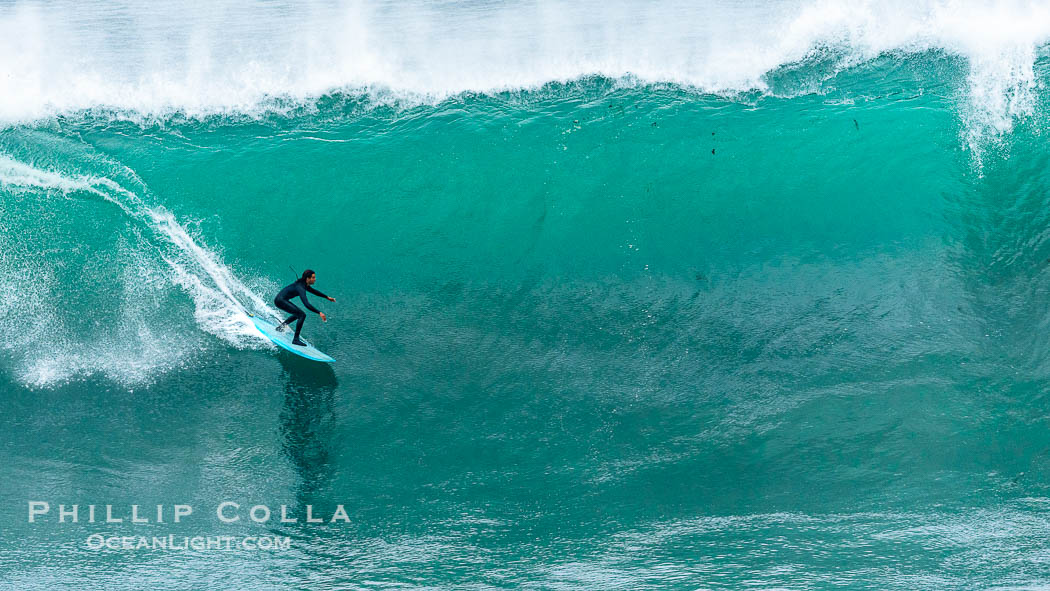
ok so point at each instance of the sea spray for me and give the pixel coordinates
(649, 296)
(266, 60)
(216, 293)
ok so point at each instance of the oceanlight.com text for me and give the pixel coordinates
(175, 543)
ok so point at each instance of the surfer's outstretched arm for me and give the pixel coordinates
(318, 293)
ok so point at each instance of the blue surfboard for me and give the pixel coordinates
(283, 339)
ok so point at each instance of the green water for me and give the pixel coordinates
(588, 336)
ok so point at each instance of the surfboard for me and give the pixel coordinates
(283, 339)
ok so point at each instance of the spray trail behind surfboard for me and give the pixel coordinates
(106, 297)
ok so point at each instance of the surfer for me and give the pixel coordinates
(298, 289)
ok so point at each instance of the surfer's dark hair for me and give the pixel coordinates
(306, 274)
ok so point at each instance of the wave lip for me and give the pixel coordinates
(153, 60)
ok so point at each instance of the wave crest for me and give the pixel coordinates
(246, 58)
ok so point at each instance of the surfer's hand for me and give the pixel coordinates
(323, 317)
(331, 299)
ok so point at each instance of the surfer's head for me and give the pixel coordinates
(309, 277)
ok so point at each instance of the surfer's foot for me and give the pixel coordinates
(281, 327)
(298, 342)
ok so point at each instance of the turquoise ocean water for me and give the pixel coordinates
(630, 297)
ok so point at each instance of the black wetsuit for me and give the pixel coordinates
(296, 290)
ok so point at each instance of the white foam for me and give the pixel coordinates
(242, 57)
(16, 174)
(134, 350)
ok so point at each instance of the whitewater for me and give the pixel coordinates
(241, 58)
(629, 295)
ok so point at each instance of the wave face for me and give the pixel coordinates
(628, 297)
